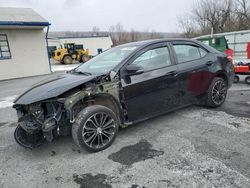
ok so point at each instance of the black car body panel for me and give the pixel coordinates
(52, 87)
(150, 89)
(51, 106)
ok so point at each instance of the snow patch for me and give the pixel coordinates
(57, 68)
(7, 101)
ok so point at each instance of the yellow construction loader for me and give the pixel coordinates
(71, 52)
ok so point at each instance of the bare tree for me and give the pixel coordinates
(188, 28)
(120, 32)
(243, 14)
(119, 35)
(133, 35)
(219, 15)
(212, 14)
(95, 31)
(112, 34)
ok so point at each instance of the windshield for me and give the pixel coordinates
(106, 61)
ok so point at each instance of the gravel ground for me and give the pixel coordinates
(192, 147)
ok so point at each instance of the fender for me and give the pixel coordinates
(222, 74)
(108, 90)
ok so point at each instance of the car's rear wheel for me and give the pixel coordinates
(95, 128)
(217, 92)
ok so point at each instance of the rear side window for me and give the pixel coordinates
(185, 52)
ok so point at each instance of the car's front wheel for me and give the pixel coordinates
(217, 92)
(67, 60)
(95, 128)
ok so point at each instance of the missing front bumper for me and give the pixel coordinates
(28, 140)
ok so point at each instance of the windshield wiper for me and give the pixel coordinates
(82, 72)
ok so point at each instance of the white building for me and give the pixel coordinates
(93, 43)
(23, 49)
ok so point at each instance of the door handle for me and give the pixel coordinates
(209, 63)
(171, 73)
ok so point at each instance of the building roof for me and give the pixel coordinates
(21, 17)
(90, 36)
(225, 34)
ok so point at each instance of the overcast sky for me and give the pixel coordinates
(82, 15)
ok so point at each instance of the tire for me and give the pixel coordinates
(247, 80)
(236, 79)
(217, 93)
(89, 131)
(67, 60)
(84, 58)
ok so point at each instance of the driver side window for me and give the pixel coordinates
(154, 59)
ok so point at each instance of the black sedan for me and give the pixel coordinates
(122, 86)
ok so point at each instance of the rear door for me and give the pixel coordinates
(151, 92)
(193, 62)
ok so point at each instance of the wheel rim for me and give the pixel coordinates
(84, 59)
(67, 60)
(219, 92)
(248, 80)
(98, 130)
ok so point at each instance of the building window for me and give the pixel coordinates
(4, 47)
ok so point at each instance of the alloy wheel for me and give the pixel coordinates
(219, 92)
(98, 130)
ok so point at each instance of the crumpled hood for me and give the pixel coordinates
(52, 87)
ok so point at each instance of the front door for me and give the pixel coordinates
(156, 89)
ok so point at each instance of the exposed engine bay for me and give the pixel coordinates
(39, 122)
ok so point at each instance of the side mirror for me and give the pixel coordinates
(134, 69)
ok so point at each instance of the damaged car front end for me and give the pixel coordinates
(39, 122)
(44, 120)
(49, 109)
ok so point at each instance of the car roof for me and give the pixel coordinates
(152, 41)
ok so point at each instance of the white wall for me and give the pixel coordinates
(238, 42)
(54, 42)
(92, 43)
(28, 51)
